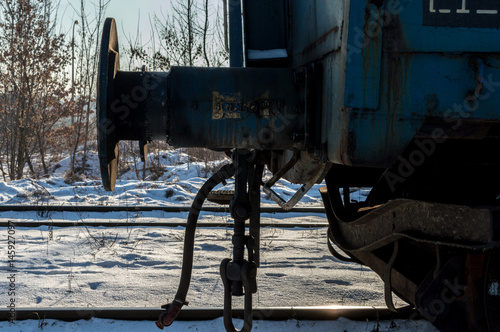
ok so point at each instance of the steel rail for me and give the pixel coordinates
(115, 208)
(80, 223)
(196, 314)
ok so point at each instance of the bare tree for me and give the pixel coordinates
(33, 81)
(205, 32)
(190, 35)
(89, 28)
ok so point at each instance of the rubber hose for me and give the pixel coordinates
(226, 172)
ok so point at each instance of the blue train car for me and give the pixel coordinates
(397, 96)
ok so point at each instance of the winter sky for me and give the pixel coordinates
(129, 14)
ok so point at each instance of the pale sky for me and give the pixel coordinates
(127, 14)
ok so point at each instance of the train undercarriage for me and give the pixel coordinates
(441, 258)
(388, 95)
(428, 229)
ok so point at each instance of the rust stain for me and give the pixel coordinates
(372, 53)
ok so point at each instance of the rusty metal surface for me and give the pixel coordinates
(189, 314)
(387, 70)
(218, 108)
(445, 224)
(288, 205)
(405, 287)
(458, 26)
(225, 108)
(362, 87)
(109, 64)
(315, 28)
(422, 76)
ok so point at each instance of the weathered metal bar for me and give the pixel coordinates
(191, 314)
(443, 224)
(226, 108)
(38, 223)
(288, 205)
(219, 108)
(145, 208)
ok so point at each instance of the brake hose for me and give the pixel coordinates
(172, 309)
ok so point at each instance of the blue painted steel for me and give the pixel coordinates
(317, 29)
(420, 38)
(265, 25)
(236, 58)
(386, 73)
(365, 69)
(225, 108)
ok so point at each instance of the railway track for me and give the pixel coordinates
(115, 208)
(172, 209)
(197, 314)
(327, 313)
(39, 223)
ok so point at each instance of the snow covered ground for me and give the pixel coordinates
(140, 267)
(217, 325)
(176, 182)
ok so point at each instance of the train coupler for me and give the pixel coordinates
(239, 279)
(239, 275)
